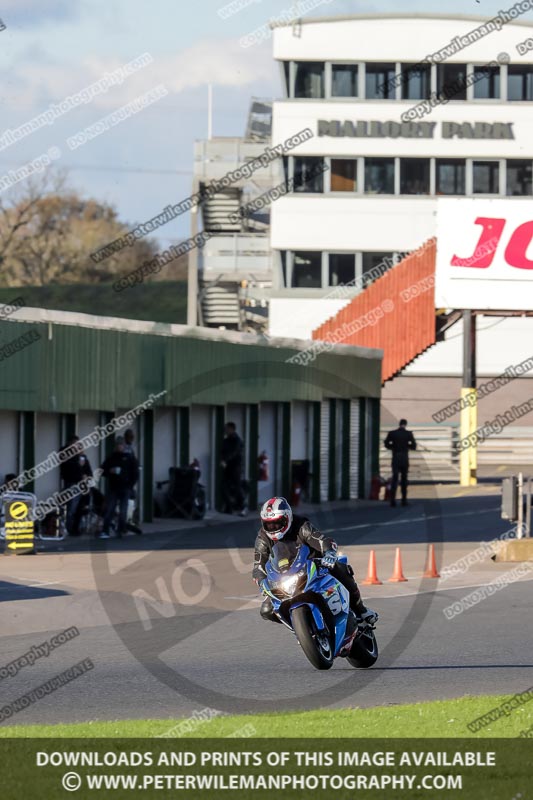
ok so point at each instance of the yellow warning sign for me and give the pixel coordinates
(20, 545)
(18, 510)
(19, 525)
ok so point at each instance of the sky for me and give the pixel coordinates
(51, 49)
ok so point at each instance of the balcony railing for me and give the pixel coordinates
(214, 158)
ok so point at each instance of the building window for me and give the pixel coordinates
(343, 175)
(520, 82)
(486, 177)
(307, 270)
(519, 174)
(287, 77)
(308, 174)
(380, 81)
(341, 268)
(414, 175)
(451, 176)
(375, 265)
(379, 176)
(344, 80)
(451, 81)
(309, 79)
(283, 261)
(487, 83)
(416, 81)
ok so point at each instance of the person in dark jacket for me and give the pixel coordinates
(74, 469)
(232, 452)
(400, 441)
(122, 471)
(277, 523)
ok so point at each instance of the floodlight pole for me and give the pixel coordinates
(468, 457)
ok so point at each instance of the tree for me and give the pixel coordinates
(47, 233)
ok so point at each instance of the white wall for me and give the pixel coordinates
(327, 222)
(87, 422)
(292, 116)
(299, 430)
(46, 441)
(296, 317)
(501, 342)
(9, 437)
(201, 446)
(391, 37)
(164, 442)
(267, 441)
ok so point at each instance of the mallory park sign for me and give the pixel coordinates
(416, 130)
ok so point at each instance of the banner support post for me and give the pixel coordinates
(468, 458)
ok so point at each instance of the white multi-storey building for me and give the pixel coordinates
(367, 183)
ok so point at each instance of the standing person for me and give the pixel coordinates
(122, 471)
(129, 449)
(400, 441)
(231, 463)
(73, 470)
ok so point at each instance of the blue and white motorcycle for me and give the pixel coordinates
(309, 601)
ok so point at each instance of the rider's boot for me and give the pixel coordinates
(344, 573)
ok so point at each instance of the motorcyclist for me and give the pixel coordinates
(278, 522)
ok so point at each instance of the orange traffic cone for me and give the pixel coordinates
(397, 575)
(431, 565)
(372, 576)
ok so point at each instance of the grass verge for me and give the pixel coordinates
(439, 719)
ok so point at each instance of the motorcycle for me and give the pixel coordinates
(308, 600)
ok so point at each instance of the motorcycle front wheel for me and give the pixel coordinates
(364, 651)
(317, 647)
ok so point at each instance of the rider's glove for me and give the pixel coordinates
(329, 559)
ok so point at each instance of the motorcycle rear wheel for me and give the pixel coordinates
(364, 651)
(317, 648)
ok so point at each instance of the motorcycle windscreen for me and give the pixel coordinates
(283, 555)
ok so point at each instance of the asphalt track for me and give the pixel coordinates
(171, 621)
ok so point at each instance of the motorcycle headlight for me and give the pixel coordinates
(289, 584)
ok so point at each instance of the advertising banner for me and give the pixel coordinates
(484, 255)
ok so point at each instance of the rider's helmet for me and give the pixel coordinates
(276, 518)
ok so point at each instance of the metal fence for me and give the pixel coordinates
(436, 458)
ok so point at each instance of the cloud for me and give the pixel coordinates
(37, 82)
(32, 13)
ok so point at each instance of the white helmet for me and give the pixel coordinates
(276, 518)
